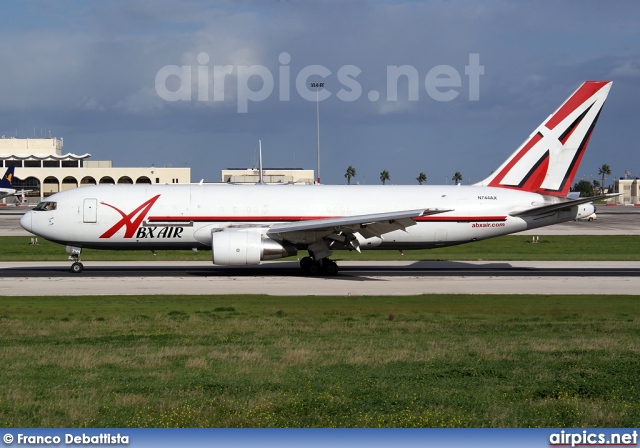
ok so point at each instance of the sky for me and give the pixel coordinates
(409, 86)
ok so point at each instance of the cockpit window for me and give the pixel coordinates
(47, 205)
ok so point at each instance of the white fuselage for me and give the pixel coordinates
(4, 192)
(183, 216)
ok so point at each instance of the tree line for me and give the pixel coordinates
(384, 176)
(585, 187)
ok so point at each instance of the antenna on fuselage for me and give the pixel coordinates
(260, 179)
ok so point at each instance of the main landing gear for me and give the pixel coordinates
(324, 266)
(76, 266)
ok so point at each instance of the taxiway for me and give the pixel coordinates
(355, 278)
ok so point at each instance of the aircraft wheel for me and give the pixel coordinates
(315, 269)
(330, 268)
(77, 267)
(305, 264)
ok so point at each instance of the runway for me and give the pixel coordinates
(355, 278)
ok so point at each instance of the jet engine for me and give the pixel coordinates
(240, 247)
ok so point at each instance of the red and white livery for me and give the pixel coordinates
(246, 224)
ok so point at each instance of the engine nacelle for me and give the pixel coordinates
(241, 247)
(585, 210)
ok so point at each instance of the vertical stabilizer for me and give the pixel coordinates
(547, 162)
(7, 179)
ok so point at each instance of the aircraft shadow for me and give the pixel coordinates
(352, 272)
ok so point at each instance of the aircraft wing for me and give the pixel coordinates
(375, 224)
(560, 206)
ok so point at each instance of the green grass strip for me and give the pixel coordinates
(555, 247)
(264, 361)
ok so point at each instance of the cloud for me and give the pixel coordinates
(83, 66)
(90, 103)
(144, 101)
(630, 68)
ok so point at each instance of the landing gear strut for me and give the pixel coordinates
(76, 267)
(324, 266)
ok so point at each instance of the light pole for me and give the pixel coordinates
(318, 85)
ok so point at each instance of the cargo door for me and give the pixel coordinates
(90, 210)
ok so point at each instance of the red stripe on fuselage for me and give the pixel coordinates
(235, 218)
(161, 219)
(460, 218)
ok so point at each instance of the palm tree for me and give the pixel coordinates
(604, 170)
(457, 177)
(596, 185)
(351, 172)
(421, 178)
(384, 176)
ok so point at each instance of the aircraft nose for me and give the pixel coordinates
(25, 221)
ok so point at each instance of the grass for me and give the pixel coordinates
(259, 361)
(570, 247)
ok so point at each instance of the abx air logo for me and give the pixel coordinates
(130, 221)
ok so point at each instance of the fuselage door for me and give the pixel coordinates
(90, 210)
(441, 237)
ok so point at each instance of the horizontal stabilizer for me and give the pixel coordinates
(561, 205)
(573, 195)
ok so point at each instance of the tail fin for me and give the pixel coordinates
(547, 162)
(7, 179)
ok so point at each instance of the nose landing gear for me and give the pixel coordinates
(76, 266)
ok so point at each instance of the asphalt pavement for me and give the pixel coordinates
(354, 279)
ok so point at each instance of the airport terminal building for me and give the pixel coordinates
(42, 168)
(269, 175)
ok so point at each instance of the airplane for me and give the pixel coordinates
(246, 224)
(6, 185)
